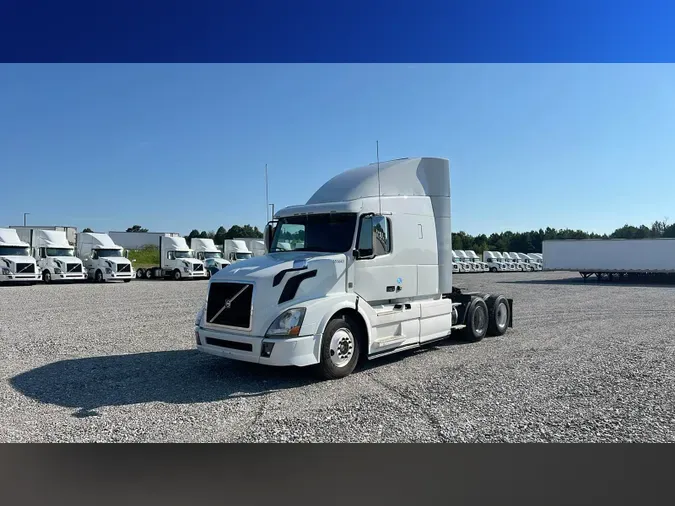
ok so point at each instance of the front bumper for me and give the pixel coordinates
(297, 351)
(73, 275)
(116, 276)
(20, 277)
(193, 274)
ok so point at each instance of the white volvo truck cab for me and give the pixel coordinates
(510, 263)
(462, 266)
(482, 266)
(236, 250)
(16, 262)
(474, 267)
(518, 262)
(56, 257)
(494, 261)
(176, 261)
(374, 277)
(103, 259)
(206, 251)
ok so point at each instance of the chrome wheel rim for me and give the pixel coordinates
(341, 347)
(502, 313)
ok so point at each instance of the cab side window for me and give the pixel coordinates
(382, 235)
(170, 255)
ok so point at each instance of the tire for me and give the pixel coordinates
(149, 274)
(498, 315)
(476, 322)
(46, 276)
(176, 275)
(340, 335)
(140, 273)
(493, 269)
(126, 280)
(98, 276)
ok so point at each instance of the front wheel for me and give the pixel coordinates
(126, 280)
(339, 349)
(98, 277)
(176, 275)
(46, 276)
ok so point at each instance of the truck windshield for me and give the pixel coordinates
(60, 252)
(330, 233)
(184, 254)
(213, 254)
(109, 253)
(243, 256)
(19, 251)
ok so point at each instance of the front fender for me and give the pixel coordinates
(320, 312)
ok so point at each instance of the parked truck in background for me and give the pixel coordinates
(16, 262)
(462, 266)
(103, 259)
(257, 247)
(374, 277)
(494, 261)
(24, 231)
(54, 254)
(610, 257)
(236, 250)
(482, 266)
(206, 251)
(467, 259)
(176, 261)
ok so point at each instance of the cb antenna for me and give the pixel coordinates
(379, 188)
(267, 198)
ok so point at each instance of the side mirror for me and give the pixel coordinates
(268, 235)
(380, 236)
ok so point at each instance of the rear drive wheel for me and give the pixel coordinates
(46, 276)
(148, 274)
(98, 277)
(140, 273)
(498, 315)
(339, 349)
(476, 322)
(176, 275)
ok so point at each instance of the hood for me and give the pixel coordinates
(329, 278)
(16, 259)
(67, 260)
(116, 260)
(191, 261)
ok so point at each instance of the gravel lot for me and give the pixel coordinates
(114, 362)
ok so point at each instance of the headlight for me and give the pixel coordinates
(200, 313)
(288, 323)
(108, 270)
(186, 269)
(6, 271)
(57, 270)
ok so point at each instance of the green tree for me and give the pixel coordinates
(220, 235)
(137, 228)
(87, 230)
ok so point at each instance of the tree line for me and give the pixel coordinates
(531, 242)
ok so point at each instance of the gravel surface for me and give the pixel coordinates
(115, 362)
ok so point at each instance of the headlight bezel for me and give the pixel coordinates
(293, 327)
(200, 315)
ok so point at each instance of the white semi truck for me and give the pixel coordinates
(482, 266)
(176, 261)
(462, 266)
(206, 251)
(468, 260)
(494, 261)
(54, 254)
(374, 277)
(103, 259)
(610, 257)
(16, 262)
(236, 250)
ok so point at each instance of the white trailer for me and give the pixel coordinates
(257, 247)
(103, 259)
(610, 257)
(176, 260)
(374, 277)
(206, 251)
(16, 262)
(55, 255)
(25, 231)
(494, 261)
(236, 249)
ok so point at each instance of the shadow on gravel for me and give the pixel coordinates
(178, 377)
(656, 282)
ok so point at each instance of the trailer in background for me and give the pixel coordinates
(138, 240)
(610, 257)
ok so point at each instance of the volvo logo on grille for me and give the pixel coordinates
(228, 303)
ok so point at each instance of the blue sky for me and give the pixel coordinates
(175, 147)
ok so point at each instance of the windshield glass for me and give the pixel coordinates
(184, 254)
(14, 250)
(60, 252)
(243, 256)
(213, 254)
(331, 233)
(109, 253)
